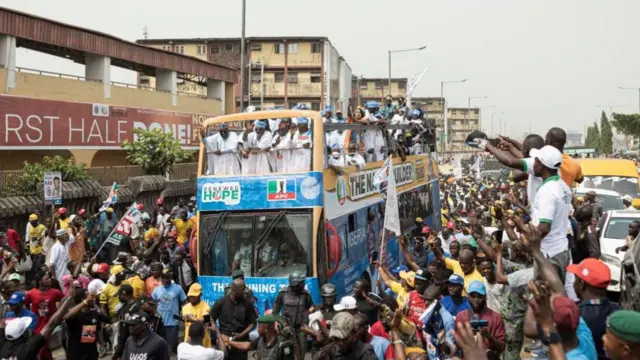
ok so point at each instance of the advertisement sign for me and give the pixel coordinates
(260, 192)
(28, 123)
(264, 289)
(53, 188)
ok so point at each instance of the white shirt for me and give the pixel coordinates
(552, 205)
(244, 256)
(533, 182)
(495, 293)
(59, 257)
(187, 351)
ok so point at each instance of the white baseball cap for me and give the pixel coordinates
(548, 155)
(346, 303)
(16, 327)
(96, 286)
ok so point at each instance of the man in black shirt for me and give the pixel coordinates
(592, 278)
(236, 317)
(83, 321)
(129, 307)
(361, 290)
(144, 343)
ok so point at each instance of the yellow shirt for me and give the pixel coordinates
(109, 296)
(36, 233)
(198, 312)
(64, 224)
(181, 230)
(138, 286)
(151, 234)
(401, 292)
(454, 266)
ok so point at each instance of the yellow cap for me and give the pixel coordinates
(33, 217)
(419, 219)
(109, 210)
(116, 269)
(195, 290)
(409, 277)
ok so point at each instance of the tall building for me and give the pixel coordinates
(281, 71)
(462, 121)
(432, 107)
(376, 89)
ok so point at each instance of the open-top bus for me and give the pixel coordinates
(324, 221)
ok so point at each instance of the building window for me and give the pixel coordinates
(178, 49)
(255, 77)
(315, 105)
(292, 77)
(316, 48)
(379, 85)
(402, 85)
(256, 47)
(202, 49)
(364, 86)
(228, 47)
(166, 47)
(215, 49)
(316, 78)
(144, 81)
(278, 77)
(278, 48)
(293, 48)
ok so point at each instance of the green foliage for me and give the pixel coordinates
(627, 124)
(26, 183)
(606, 135)
(155, 151)
(593, 136)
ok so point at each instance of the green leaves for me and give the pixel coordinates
(593, 136)
(606, 135)
(155, 151)
(628, 124)
(32, 174)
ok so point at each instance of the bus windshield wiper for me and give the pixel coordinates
(266, 232)
(212, 238)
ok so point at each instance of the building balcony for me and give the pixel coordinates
(296, 89)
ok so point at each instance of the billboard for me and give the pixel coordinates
(29, 123)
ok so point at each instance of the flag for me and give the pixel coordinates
(457, 167)
(391, 214)
(476, 167)
(124, 226)
(415, 80)
(111, 199)
(281, 189)
(381, 177)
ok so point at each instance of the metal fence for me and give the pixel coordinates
(107, 175)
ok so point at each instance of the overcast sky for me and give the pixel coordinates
(541, 62)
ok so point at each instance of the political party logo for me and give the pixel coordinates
(228, 193)
(341, 189)
(281, 189)
(310, 188)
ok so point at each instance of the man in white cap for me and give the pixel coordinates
(59, 254)
(627, 200)
(260, 145)
(347, 304)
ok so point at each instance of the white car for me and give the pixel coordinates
(612, 236)
(610, 200)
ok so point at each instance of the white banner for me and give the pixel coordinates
(414, 83)
(391, 213)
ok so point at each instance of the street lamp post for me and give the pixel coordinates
(479, 119)
(242, 56)
(632, 88)
(397, 51)
(444, 111)
(493, 134)
(466, 116)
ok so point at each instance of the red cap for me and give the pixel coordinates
(62, 210)
(566, 314)
(592, 271)
(451, 225)
(82, 212)
(140, 207)
(426, 230)
(160, 201)
(102, 268)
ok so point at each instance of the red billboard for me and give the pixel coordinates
(28, 123)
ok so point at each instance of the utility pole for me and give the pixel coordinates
(242, 56)
(262, 84)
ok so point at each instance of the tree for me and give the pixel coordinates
(606, 135)
(33, 174)
(155, 151)
(627, 124)
(593, 136)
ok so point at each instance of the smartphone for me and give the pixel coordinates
(478, 324)
(207, 319)
(374, 256)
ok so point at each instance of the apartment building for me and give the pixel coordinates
(462, 121)
(281, 71)
(366, 89)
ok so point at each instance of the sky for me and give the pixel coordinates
(541, 63)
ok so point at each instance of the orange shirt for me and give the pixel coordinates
(151, 284)
(570, 170)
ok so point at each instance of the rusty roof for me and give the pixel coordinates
(62, 39)
(232, 39)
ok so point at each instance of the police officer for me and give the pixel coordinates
(329, 297)
(294, 303)
(269, 345)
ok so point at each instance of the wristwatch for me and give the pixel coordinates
(550, 338)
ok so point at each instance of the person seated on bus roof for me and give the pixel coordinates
(260, 144)
(302, 141)
(335, 157)
(222, 149)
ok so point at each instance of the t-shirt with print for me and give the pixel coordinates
(243, 255)
(81, 335)
(43, 304)
(401, 293)
(36, 237)
(415, 307)
(533, 182)
(552, 206)
(169, 299)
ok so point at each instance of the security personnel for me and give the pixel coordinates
(269, 345)
(294, 303)
(329, 296)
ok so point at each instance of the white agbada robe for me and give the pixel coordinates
(227, 163)
(337, 159)
(301, 157)
(335, 138)
(373, 139)
(260, 161)
(355, 160)
(281, 153)
(245, 163)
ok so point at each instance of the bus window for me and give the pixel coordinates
(286, 248)
(230, 247)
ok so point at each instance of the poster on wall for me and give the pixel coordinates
(53, 188)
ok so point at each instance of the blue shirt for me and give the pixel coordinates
(452, 307)
(23, 313)
(169, 299)
(448, 324)
(380, 346)
(586, 349)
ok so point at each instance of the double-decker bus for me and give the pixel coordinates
(324, 221)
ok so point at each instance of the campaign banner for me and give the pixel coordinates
(264, 289)
(112, 198)
(124, 226)
(275, 191)
(53, 188)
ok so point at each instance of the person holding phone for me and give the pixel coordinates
(196, 310)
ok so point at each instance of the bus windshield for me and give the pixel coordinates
(623, 184)
(265, 244)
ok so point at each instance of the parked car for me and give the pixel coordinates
(613, 233)
(609, 199)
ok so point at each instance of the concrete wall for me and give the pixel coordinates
(304, 86)
(370, 91)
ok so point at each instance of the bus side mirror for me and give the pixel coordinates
(334, 249)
